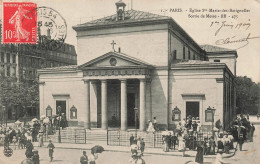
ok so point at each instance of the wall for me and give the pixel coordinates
(159, 96)
(149, 44)
(61, 84)
(197, 85)
(229, 60)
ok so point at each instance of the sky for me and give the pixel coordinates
(237, 26)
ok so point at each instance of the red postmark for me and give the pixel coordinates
(19, 23)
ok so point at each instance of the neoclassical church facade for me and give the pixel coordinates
(135, 65)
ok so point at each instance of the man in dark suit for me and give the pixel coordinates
(84, 158)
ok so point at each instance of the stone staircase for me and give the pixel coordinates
(79, 135)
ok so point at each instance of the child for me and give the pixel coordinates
(51, 150)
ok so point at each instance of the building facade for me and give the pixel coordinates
(156, 70)
(21, 61)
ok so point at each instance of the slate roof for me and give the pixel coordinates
(197, 62)
(130, 16)
(210, 48)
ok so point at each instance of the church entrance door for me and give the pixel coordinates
(192, 108)
(130, 109)
(62, 104)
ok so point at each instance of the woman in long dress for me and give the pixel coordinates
(150, 127)
(182, 146)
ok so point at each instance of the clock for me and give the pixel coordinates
(113, 61)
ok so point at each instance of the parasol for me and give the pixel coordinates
(97, 149)
(18, 122)
(35, 119)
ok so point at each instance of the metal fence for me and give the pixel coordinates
(77, 136)
(152, 140)
(121, 138)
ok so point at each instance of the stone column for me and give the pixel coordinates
(123, 104)
(142, 105)
(87, 123)
(104, 104)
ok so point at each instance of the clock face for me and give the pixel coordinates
(113, 61)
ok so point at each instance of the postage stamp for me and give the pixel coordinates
(18, 26)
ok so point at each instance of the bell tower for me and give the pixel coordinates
(120, 10)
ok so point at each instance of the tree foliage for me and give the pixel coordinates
(247, 95)
(22, 94)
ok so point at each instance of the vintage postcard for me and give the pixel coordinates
(127, 81)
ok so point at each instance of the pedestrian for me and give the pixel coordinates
(40, 139)
(29, 148)
(174, 140)
(131, 139)
(240, 142)
(199, 155)
(134, 148)
(140, 160)
(36, 157)
(84, 158)
(93, 157)
(133, 159)
(258, 115)
(51, 150)
(155, 125)
(252, 130)
(182, 147)
(142, 146)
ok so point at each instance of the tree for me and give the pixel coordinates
(19, 94)
(247, 95)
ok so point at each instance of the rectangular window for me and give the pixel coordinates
(189, 54)
(183, 52)
(193, 56)
(14, 58)
(174, 54)
(2, 57)
(217, 60)
(8, 58)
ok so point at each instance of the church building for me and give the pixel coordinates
(134, 66)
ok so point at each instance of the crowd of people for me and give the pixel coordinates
(21, 137)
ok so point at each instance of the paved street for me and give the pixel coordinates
(250, 154)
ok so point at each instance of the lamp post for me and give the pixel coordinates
(136, 110)
(59, 111)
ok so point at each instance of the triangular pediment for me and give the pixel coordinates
(114, 59)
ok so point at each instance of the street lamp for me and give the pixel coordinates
(136, 111)
(59, 111)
